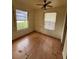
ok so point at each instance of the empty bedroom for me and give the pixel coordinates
(39, 29)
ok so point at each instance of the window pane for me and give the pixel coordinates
(21, 18)
(21, 15)
(22, 25)
(50, 19)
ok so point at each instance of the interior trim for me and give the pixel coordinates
(33, 32)
(64, 35)
(49, 35)
(22, 36)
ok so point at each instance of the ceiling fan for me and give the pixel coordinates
(45, 4)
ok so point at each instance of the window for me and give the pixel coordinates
(21, 19)
(50, 20)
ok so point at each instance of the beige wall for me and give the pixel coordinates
(60, 20)
(16, 33)
(36, 21)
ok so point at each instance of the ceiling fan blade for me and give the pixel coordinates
(49, 6)
(44, 8)
(48, 2)
(40, 4)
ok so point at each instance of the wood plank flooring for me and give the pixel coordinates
(36, 46)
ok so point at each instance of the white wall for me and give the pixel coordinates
(60, 21)
(36, 21)
(16, 33)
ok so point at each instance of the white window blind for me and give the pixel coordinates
(50, 20)
(21, 19)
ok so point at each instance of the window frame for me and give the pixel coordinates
(26, 20)
(44, 21)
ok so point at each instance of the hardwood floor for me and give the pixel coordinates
(37, 46)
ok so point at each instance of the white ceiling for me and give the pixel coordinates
(32, 3)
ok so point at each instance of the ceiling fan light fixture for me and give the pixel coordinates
(45, 5)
